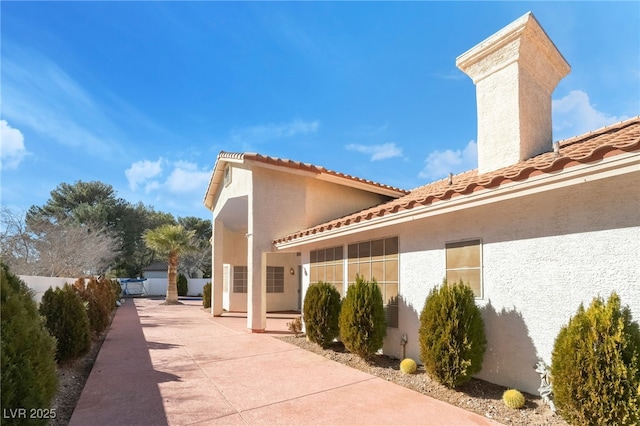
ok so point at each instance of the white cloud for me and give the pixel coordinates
(186, 177)
(142, 171)
(439, 164)
(263, 133)
(574, 115)
(378, 152)
(180, 177)
(12, 149)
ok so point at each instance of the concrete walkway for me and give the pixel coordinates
(177, 365)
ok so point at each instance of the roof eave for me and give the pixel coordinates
(607, 167)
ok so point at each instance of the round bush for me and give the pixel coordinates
(183, 285)
(595, 366)
(321, 313)
(408, 366)
(513, 398)
(206, 296)
(452, 337)
(362, 319)
(28, 365)
(66, 319)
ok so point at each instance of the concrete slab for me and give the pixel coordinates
(178, 365)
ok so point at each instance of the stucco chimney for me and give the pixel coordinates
(515, 72)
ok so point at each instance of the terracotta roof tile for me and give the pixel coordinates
(605, 142)
(307, 167)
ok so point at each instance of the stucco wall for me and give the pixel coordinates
(543, 255)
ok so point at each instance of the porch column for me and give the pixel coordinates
(257, 286)
(217, 268)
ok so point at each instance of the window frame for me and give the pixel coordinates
(318, 269)
(275, 279)
(240, 273)
(367, 252)
(479, 268)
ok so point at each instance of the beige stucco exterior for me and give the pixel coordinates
(258, 203)
(549, 240)
(543, 253)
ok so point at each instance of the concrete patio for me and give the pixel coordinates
(177, 365)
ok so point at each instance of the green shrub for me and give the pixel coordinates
(183, 285)
(28, 365)
(362, 319)
(67, 320)
(321, 313)
(408, 366)
(595, 366)
(452, 337)
(513, 398)
(206, 296)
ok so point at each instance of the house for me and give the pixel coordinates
(536, 229)
(156, 270)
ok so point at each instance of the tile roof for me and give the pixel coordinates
(605, 142)
(307, 167)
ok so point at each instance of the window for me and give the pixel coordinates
(464, 262)
(240, 279)
(378, 259)
(327, 265)
(275, 279)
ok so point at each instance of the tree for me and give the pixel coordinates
(200, 258)
(96, 205)
(133, 221)
(171, 241)
(50, 248)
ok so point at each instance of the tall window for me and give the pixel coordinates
(378, 259)
(464, 262)
(275, 279)
(240, 279)
(327, 265)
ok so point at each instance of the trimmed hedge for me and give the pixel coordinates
(28, 365)
(452, 336)
(595, 366)
(362, 319)
(67, 320)
(206, 296)
(183, 285)
(321, 313)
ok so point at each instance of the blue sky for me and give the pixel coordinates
(143, 95)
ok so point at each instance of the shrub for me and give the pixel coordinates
(452, 337)
(183, 285)
(67, 320)
(98, 297)
(321, 313)
(595, 366)
(362, 319)
(206, 296)
(408, 366)
(295, 326)
(513, 398)
(28, 368)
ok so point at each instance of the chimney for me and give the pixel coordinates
(515, 72)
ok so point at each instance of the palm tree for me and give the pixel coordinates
(171, 241)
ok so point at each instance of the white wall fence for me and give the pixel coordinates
(152, 286)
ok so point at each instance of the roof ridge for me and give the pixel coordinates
(611, 140)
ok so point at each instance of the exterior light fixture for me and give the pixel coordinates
(292, 271)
